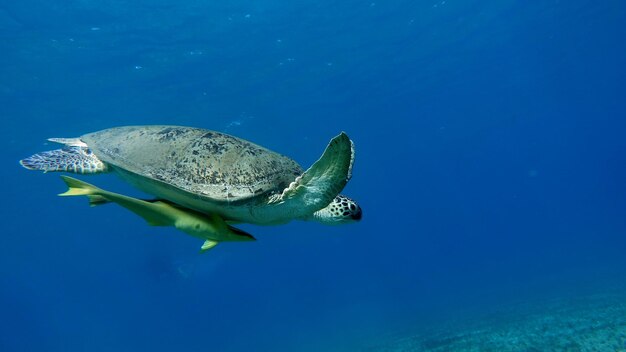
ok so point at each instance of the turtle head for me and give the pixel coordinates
(342, 210)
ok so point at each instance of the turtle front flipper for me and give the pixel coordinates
(322, 182)
(72, 158)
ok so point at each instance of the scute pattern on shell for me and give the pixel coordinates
(207, 163)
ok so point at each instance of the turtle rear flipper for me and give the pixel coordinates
(322, 182)
(75, 159)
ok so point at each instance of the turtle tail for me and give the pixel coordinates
(76, 159)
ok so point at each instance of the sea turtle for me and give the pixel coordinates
(213, 173)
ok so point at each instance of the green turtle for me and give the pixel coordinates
(201, 171)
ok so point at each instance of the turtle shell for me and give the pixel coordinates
(206, 163)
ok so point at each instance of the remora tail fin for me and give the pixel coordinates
(79, 188)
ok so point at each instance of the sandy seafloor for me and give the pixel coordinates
(592, 322)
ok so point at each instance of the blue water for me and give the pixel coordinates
(491, 159)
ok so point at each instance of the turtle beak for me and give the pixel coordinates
(357, 214)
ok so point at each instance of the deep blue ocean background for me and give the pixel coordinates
(491, 165)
